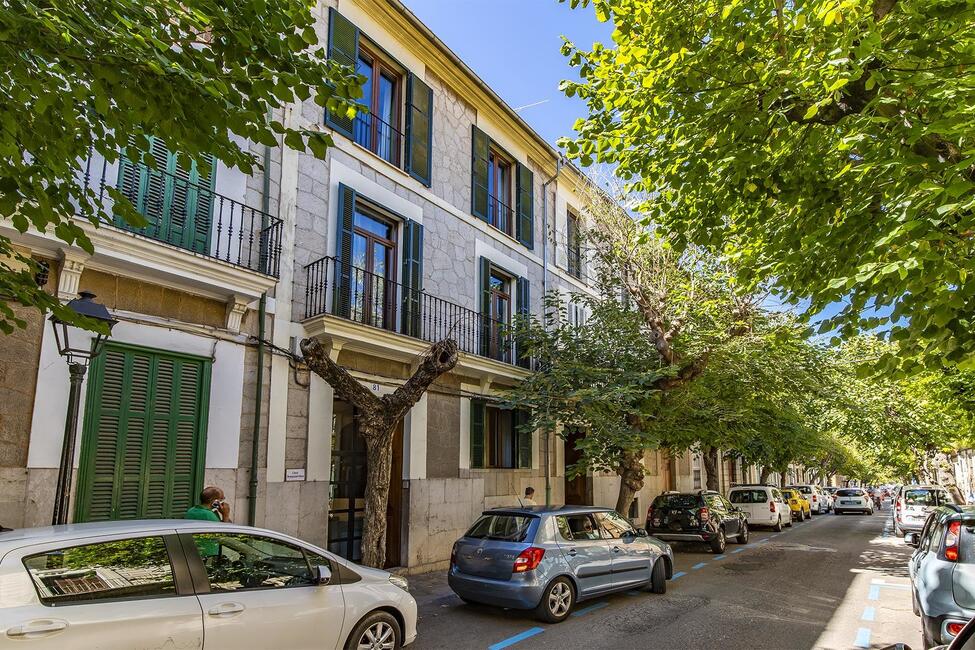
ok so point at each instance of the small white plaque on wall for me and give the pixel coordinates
(294, 475)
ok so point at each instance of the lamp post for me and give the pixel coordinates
(78, 357)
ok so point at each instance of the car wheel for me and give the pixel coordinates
(378, 630)
(743, 533)
(898, 532)
(778, 525)
(658, 577)
(914, 606)
(719, 543)
(557, 601)
(789, 523)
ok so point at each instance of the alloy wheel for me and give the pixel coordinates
(378, 636)
(559, 599)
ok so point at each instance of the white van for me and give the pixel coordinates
(763, 504)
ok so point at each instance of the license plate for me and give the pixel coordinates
(847, 503)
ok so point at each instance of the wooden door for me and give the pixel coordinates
(394, 509)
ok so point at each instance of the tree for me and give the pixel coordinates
(378, 416)
(823, 145)
(96, 76)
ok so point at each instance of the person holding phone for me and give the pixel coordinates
(212, 506)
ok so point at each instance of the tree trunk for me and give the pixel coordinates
(766, 472)
(378, 417)
(632, 472)
(711, 466)
(945, 475)
(783, 478)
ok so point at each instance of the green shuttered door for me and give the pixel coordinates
(481, 151)
(342, 293)
(144, 434)
(412, 278)
(477, 433)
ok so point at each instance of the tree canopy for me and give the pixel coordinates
(94, 76)
(824, 146)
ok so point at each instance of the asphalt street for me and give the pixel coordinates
(831, 582)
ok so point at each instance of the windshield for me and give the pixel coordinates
(748, 496)
(849, 493)
(509, 528)
(805, 489)
(676, 501)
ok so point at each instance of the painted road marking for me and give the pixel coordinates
(591, 608)
(699, 565)
(518, 638)
(863, 638)
(869, 613)
(874, 593)
(678, 575)
(775, 535)
(738, 550)
(720, 557)
(762, 540)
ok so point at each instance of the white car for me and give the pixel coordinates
(764, 505)
(853, 500)
(818, 502)
(192, 584)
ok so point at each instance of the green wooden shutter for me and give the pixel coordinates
(523, 304)
(419, 129)
(144, 435)
(480, 152)
(477, 433)
(343, 46)
(412, 277)
(342, 288)
(525, 207)
(484, 277)
(524, 435)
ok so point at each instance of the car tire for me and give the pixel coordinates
(928, 639)
(791, 519)
(897, 531)
(778, 525)
(742, 537)
(377, 625)
(557, 601)
(719, 543)
(658, 577)
(914, 606)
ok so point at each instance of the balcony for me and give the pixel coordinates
(348, 292)
(379, 137)
(188, 215)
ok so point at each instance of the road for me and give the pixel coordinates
(833, 582)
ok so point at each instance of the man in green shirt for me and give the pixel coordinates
(211, 507)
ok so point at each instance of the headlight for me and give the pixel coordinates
(400, 582)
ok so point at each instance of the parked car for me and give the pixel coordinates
(853, 500)
(764, 505)
(161, 583)
(913, 504)
(942, 572)
(703, 516)
(827, 497)
(798, 504)
(548, 559)
(817, 504)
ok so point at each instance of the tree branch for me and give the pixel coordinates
(345, 385)
(440, 358)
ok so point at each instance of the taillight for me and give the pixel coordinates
(951, 541)
(954, 628)
(815, 498)
(704, 515)
(650, 513)
(528, 559)
(771, 506)
(453, 555)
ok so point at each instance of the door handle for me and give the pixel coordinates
(572, 552)
(226, 609)
(38, 627)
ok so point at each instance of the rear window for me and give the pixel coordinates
(677, 501)
(849, 493)
(925, 497)
(748, 496)
(508, 528)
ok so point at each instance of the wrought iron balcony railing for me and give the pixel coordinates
(339, 289)
(379, 137)
(499, 214)
(189, 215)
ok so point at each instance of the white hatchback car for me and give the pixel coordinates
(192, 584)
(763, 504)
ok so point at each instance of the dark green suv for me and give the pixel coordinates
(703, 516)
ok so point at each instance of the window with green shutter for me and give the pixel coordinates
(498, 438)
(343, 47)
(176, 202)
(419, 129)
(144, 434)
(525, 208)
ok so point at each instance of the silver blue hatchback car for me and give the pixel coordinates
(549, 558)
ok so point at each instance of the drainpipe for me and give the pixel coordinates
(259, 390)
(548, 434)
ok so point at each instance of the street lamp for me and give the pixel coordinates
(78, 356)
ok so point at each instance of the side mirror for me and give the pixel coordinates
(912, 539)
(642, 532)
(321, 575)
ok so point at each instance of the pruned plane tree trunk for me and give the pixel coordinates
(378, 416)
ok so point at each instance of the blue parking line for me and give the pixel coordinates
(863, 638)
(874, 593)
(634, 593)
(699, 565)
(720, 557)
(518, 638)
(869, 613)
(738, 550)
(762, 540)
(678, 575)
(591, 608)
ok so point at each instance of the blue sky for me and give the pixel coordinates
(513, 45)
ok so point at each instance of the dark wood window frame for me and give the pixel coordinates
(497, 320)
(500, 210)
(381, 65)
(499, 428)
(372, 239)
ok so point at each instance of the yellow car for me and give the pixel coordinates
(801, 510)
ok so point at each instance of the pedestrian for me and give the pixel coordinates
(212, 506)
(529, 498)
